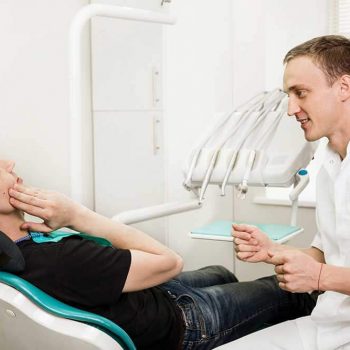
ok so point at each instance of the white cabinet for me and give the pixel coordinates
(125, 57)
(127, 112)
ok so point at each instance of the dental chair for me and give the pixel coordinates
(32, 320)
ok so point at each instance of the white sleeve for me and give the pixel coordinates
(317, 242)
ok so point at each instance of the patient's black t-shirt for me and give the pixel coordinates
(91, 277)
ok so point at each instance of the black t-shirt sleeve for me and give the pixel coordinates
(90, 274)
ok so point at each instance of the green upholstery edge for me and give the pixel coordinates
(58, 308)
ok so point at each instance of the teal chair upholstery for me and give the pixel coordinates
(16, 294)
(79, 330)
(32, 320)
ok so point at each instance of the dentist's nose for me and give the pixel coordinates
(293, 107)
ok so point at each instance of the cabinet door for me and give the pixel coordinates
(128, 164)
(128, 152)
(126, 56)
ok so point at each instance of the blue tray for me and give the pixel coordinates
(222, 229)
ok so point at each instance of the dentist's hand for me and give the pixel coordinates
(251, 244)
(55, 209)
(295, 270)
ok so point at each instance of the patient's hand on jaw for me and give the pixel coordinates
(55, 209)
(251, 244)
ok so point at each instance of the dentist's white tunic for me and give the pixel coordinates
(328, 327)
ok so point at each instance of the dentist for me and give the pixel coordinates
(317, 81)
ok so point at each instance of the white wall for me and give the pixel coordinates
(287, 24)
(198, 86)
(34, 88)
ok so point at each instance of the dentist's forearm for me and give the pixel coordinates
(335, 278)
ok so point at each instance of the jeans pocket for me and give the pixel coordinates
(189, 312)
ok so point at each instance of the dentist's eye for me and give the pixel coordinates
(300, 93)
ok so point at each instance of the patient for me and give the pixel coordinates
(137, 283)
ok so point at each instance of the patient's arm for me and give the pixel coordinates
(152, 263)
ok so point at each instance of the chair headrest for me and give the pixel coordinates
(11, 258)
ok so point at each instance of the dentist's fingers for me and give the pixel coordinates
(277, 258)
(242, 235)
(280, 270)
(243, 228)
(244, 255)
(251, 241)
(247, 248)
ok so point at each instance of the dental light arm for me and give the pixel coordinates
(157, 211)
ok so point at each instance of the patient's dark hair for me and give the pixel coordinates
(331, 53)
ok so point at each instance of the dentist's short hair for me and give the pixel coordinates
(331, 53)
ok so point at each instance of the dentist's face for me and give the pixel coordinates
(312, 100)
(7, 179)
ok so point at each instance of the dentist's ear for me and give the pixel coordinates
(344, 83)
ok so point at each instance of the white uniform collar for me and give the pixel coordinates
(347, 150)
(332, 162)
(329, 151)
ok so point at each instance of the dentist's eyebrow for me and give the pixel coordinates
(295, 87)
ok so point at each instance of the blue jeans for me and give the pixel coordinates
(216, 308)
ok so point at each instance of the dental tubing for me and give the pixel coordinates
(250, 126)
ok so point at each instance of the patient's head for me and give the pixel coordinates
(331, 53)
(7, 179)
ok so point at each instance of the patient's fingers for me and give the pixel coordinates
(30, 191)
(28, 208)
(26, 198)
